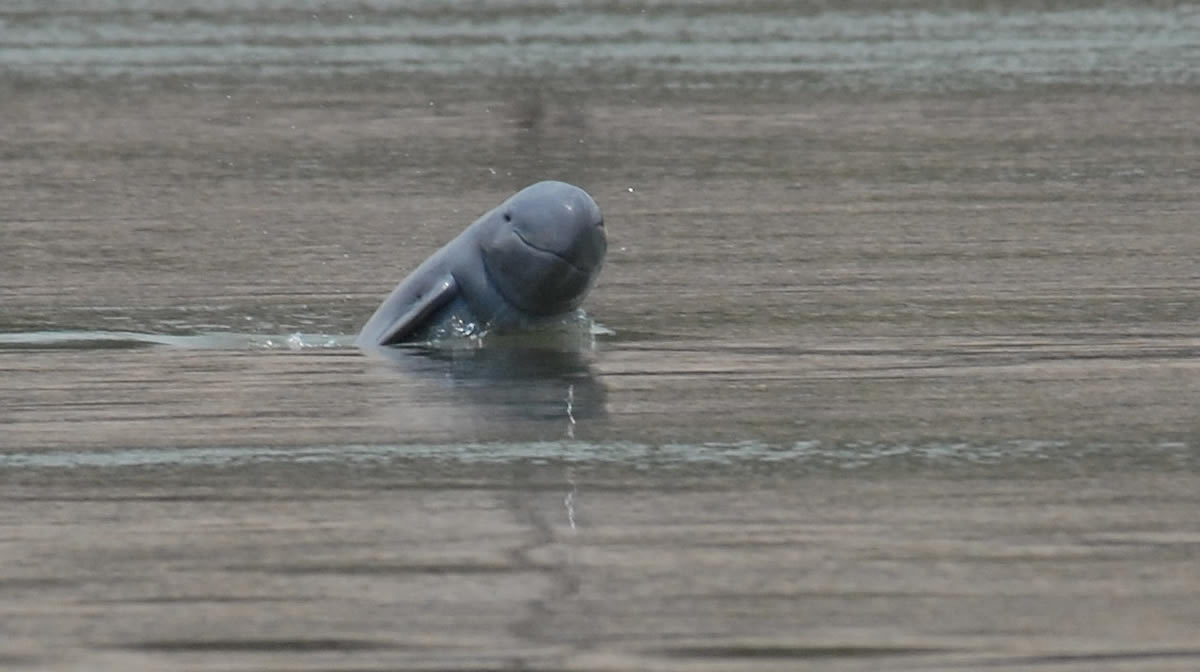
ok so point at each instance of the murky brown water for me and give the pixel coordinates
(905, 339)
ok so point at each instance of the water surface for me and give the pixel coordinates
(895, 366)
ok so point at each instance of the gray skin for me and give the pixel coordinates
(532, 258)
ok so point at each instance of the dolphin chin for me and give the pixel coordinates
(547, 284)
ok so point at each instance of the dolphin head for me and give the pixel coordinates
(544, 247)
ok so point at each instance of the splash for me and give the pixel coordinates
(576, 332)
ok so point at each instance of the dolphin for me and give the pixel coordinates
(533, 257)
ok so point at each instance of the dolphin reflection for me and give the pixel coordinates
(491, 393)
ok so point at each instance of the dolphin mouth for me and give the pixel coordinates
(552, 253)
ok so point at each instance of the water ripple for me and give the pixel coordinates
(814, 455)
(132, 339)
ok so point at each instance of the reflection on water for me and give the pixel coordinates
(504, 384)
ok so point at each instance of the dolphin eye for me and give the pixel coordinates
(507, 217)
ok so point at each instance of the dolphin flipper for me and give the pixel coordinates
(442, 292)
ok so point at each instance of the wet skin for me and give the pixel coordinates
(532, 258)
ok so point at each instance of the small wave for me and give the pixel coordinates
(99, 340)
(1042, 455)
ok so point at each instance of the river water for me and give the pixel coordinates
(893, 363)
